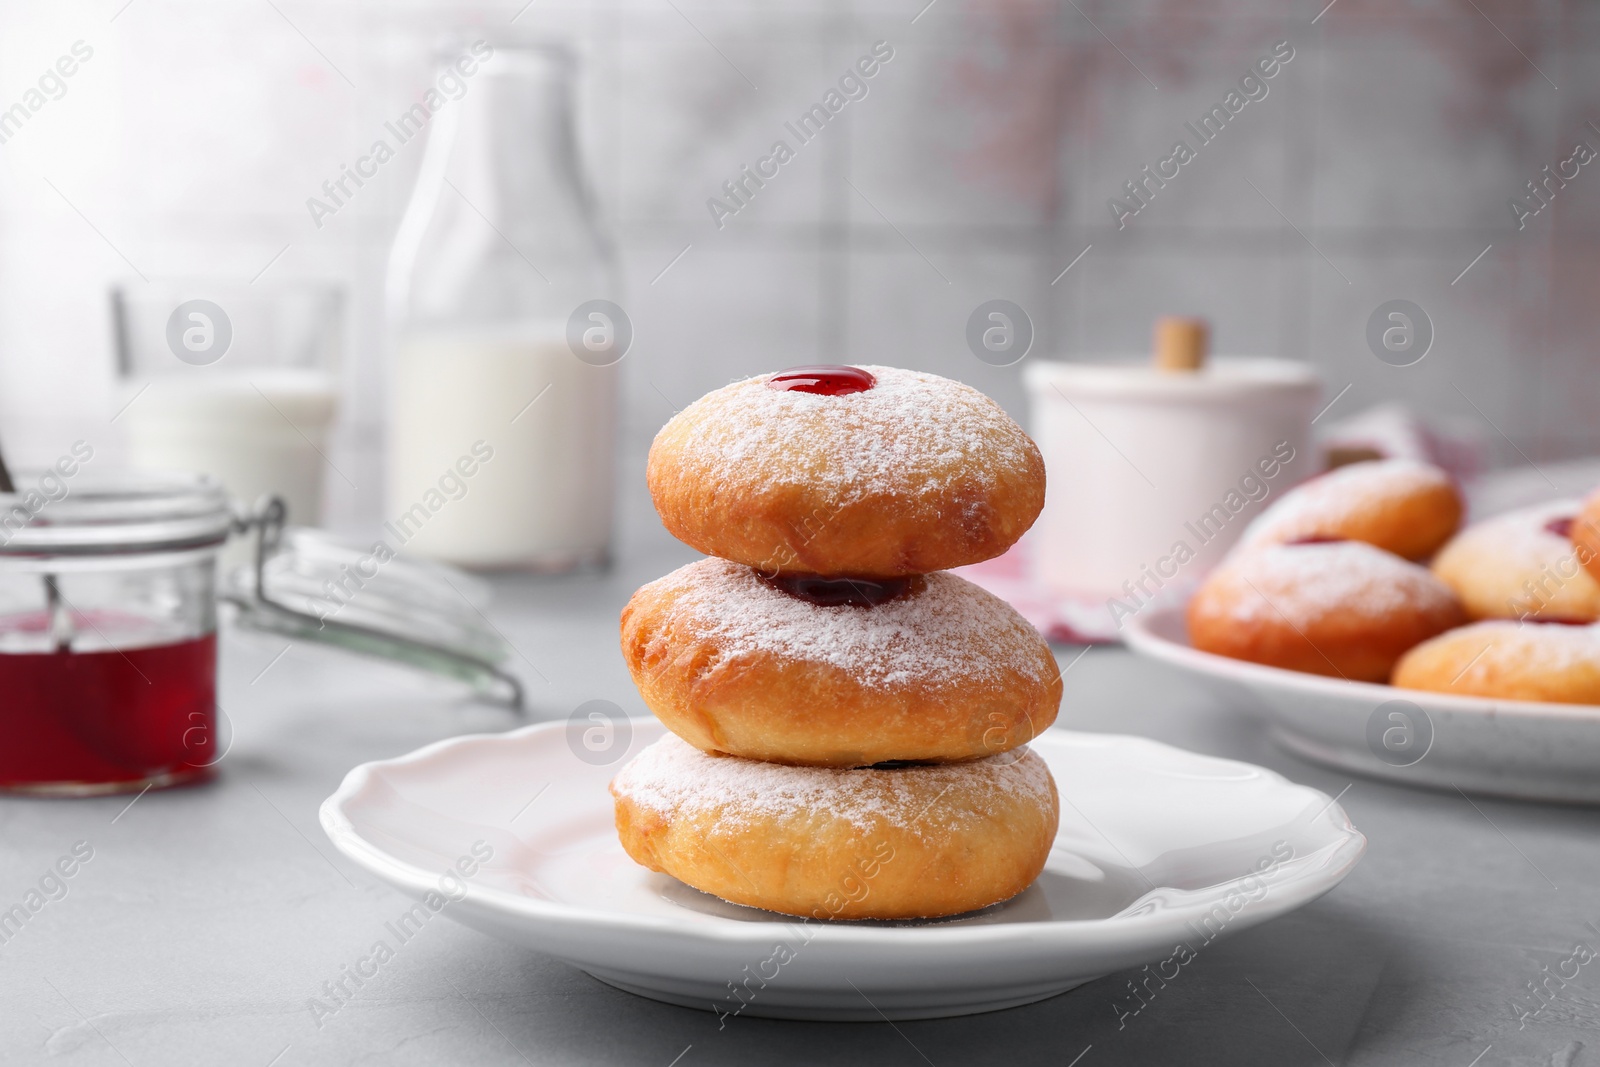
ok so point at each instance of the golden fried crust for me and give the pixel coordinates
(1522, 565)
(1586, 535)
(1401, 506)
(733, 665)
(904, 843)
(1508, 661)
(1343, 609)
(917, 474)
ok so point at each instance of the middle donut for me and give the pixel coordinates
(837, 673)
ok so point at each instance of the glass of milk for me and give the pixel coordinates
(233, 380)
(506, 326)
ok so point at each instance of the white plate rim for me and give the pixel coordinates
(1140, 635)
(1073, 934)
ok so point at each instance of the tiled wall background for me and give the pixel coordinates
(1379, 165)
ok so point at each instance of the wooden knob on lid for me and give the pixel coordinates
(1181, 343)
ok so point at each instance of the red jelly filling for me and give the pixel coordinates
(108, 716)
(829, 379)
(1316, 539)
(1561, 527)
(836, 592)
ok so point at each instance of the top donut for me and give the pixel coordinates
(871, 472)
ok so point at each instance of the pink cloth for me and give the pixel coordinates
(1081, 619)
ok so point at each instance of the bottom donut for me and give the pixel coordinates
(887, 842)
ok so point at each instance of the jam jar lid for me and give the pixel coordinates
(368, 599)
(326, 579)
(112, 512)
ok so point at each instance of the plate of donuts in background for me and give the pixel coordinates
(1383, 636)
(850, 803)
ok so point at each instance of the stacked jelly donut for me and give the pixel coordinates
(848, 721)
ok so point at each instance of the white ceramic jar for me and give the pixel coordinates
(1151, 475)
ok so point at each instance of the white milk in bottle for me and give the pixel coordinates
(500, 436)
(545, 421)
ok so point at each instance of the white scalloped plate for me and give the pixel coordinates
(1516, 748)
(1157, 846)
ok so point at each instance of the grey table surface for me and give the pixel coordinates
(208, 917)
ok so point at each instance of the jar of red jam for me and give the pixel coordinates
(109, 594)
(108, 631)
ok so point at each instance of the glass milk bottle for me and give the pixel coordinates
(500, 435)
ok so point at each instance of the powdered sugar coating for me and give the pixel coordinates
(672, 777)
(1318, 505)
(910, 433)
(1499, 645)
(1518, 539)
(1305, 583)
(916, 474)
(1501, 659)
(1513, 565)
(952, 629)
